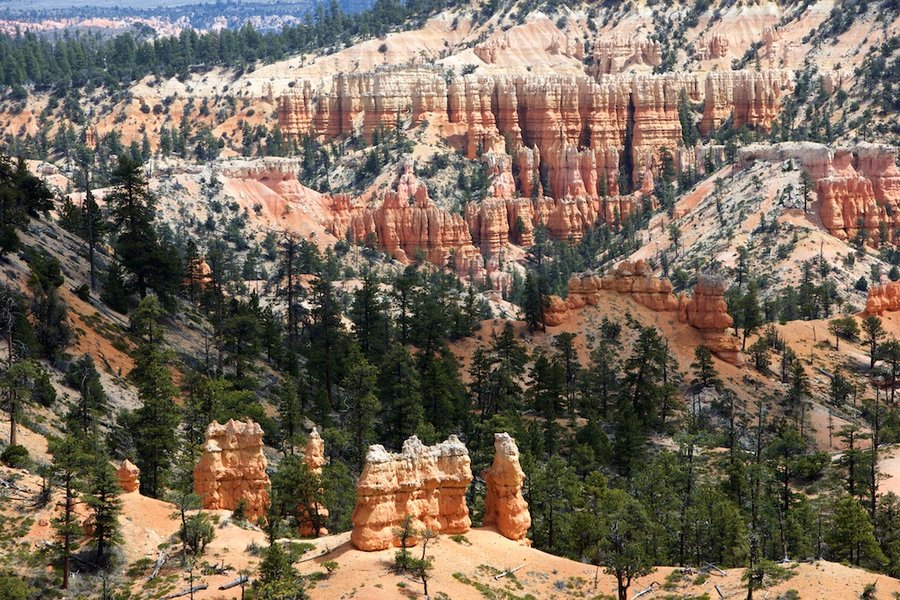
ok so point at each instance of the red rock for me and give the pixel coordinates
(314, 458)
(637, 279)
(883, 298)
(708, 312)
(128, 476)
(504, 505)
(614, 54)
(556, 313)
(233, 468)
(427, 482)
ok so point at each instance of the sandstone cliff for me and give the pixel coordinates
(407, 223)
(233, 468)
(427, 482)
(708, 312)
(504, 505)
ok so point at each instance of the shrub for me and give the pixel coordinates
(15, 456)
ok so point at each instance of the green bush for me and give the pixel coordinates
(12, 587)
(14, 456)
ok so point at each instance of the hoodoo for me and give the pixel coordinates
(504, 505)
(426, 482)
(232, 468)
(312, 517)
(129, 476)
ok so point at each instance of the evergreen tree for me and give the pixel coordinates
(91, 403)
(705, 373)
(153, 264)
(278, 579)
(103, 500)
(18, 383)
(360, 384)
(158, 416)
(852, 535)
(68, 464)
(399, 391)
(535, 302)
(874, 331)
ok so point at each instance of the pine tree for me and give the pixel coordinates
(158, 416)
(278, 579)
(103, 500)
(91, 403)
(704, 369)
(399, 390)
(69, 462)
(874, 331)
(852, 535)
(360, 384)
(18, 383)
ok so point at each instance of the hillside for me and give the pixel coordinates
(591, 300)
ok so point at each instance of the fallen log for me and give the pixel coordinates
(160, 561)
(236, 582)
(508, 572)
(190, 590)
(716, 569)
(721, 595)
(646, 590)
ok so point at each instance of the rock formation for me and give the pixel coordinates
(309, 516)
(407, 223)
(858, 187)
(571, 127)
(504, 505)
(883, 298)
(556, 312)
(707, 311)
(233, 468)
(128, 476)
(751, 98)
(713, 46)
(637, 279)
(427, 482)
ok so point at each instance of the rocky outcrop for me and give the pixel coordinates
(584, 290)
(556, 312)
(712, 47)
(637, 279)
(883, 298)
(310, 518)
(707, 311)
(504, 505)
(573, 128)
(232, 468)
(858, 187)
(128, 476)
(426, 482)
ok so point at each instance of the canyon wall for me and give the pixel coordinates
(233, 468)
(408, 224)
(568, 123)
(857, 187)
(427, 482)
